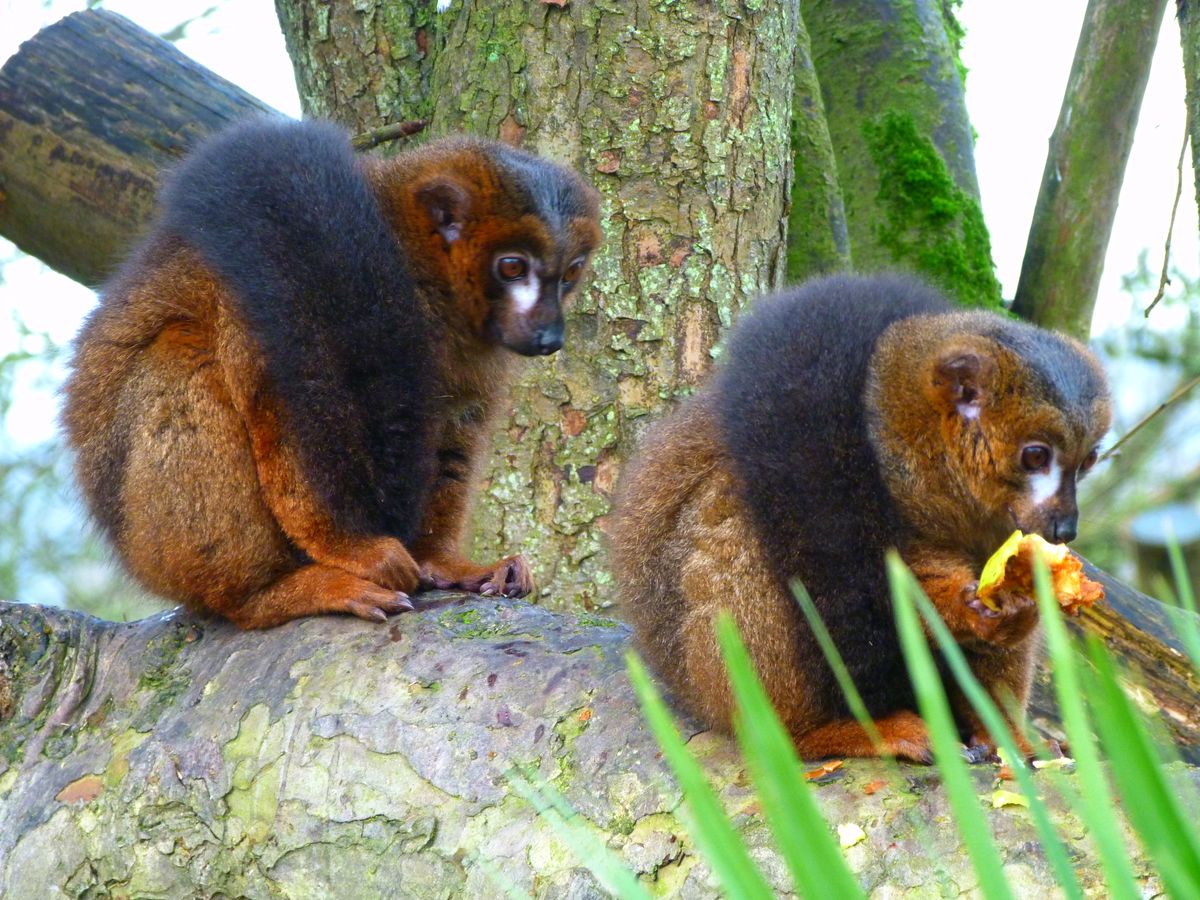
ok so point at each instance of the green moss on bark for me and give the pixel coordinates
(928, 222)
(898, 58)
(817, 238)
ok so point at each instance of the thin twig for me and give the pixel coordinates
(1136, 428)
(1163, 280)
(385, 133)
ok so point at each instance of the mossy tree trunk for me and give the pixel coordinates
(1073, 219)
(680, 115)
(1189, 36)
(893, 96)
(818, 241)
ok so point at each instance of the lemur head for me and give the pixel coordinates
(984, 425)
(510, 233)
(1023, 412)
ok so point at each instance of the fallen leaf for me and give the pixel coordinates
(1008, 798)
(824, 769)
(872, 786)
(850, 834)
(84, 790)
(1063, 762)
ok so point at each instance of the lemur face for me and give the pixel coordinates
(511, 234)
(1029, 409)
(528, 291)
(1049, 471)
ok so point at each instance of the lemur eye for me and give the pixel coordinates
(574, 270)
(1035, 457)
(511, 268)
(1089, 460)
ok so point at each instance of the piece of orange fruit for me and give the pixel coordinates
(1011, 569)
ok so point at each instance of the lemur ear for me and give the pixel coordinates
(448, 204)
(962, 380)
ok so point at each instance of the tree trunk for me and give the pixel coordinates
(894, 102)
(818, 241)
(91, 110)
(1189, 36)
(175, 757)
(1072, 221)
(680, 115)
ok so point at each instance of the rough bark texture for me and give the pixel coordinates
(905, 155)
(1072, 221)
(1189, 36)
(180, 758)
(679, 114)
(91, 109)
(817, 241)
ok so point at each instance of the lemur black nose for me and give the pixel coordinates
(550, 338)
(1065, 529)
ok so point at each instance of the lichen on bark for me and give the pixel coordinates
(331, 755)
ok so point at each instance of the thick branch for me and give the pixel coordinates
(91, 109)
(177, 758)
(1073, 218)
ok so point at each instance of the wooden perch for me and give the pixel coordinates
(175, 757)
(92, 109)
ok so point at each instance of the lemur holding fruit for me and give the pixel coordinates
(849, 416)
(278, 407)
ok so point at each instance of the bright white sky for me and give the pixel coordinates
(1014, 90)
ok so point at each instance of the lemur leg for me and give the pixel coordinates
(198, 528)
(903, 735)
(437, 546)
(289, 493)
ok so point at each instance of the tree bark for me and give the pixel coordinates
(1189, 36)
(680, 115)
(818, 241)
(91, 110)
(175, 757)
(1064, 256)
(894, 103)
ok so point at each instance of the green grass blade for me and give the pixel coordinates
(858, 709)
(723, 849)
(585, 843)
(947, 750)
(1096, 805)
(997, 726)
(1185, 618)
(1170, 839)
(854, 700)
(800, 830)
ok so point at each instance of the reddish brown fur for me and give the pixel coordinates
(216, 511)
(684, 546)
